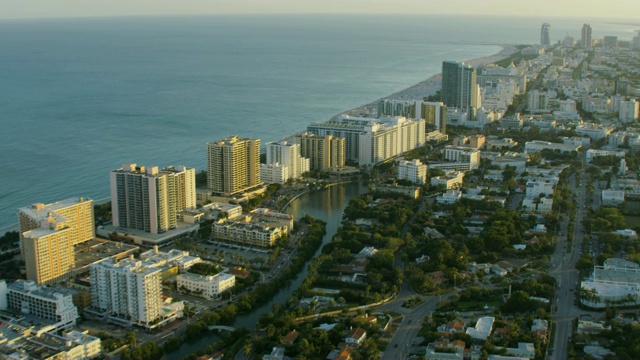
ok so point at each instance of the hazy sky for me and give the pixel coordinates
(536, 8)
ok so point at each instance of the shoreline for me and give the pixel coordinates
(418, 91)
(431, 85)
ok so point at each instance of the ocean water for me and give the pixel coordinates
(80, 97)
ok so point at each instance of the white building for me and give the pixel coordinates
(24, 344)
(217, 210)
(414, 171)
(369, 141)
(274, 173)
(53, 306)
(482, 329)
(84, 346)
(538, 205)
(524, 350)
(594, 153)
(287, 154)
(594, 131)
(618, 280)
(174, 257)
(449, 197)
(536, 187)
(208, 287)
(538, 145)
(463, 154)
(612, 197)
(450, 181)
(127, 292)
(629, 110)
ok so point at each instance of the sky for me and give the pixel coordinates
(19, 9)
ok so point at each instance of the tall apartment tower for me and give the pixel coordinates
(585, 37)
(149, 199)
(48, 234)
(324, 152)
(287, 154)
(545, 35)
(127, 289)
(233, 165)
(434, 115)
(459, 88)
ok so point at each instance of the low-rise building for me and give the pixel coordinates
(449, 181)
(594, 153)
(206, 286)
(539, 145)
(449, 197)
(51, 306)
(250, 234)
(356, 336)
(482, 329)
(612, 197)
(218, 210)
(537, 187)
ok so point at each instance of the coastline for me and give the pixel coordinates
(431, 85)
(418, 91)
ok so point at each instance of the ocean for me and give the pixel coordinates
(80, 97)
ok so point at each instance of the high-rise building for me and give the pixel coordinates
(585, 37)
(545, 35)
(127, 289)
(52, 305)
(287, 154)
(149, 199)
(324, 152)
(369, 141)
(434, 113)
(629, 110)
(233, 165)
(48, 234)
(459, 88)
(610, 42)
(635, 43)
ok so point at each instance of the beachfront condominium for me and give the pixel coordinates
(127, 290)
(585, 37)
(48, 234)
(233, 165)
(323, 151)
(459, 88)
(369, 141)
(433, 113)
(148, 199)
(287, 154)
(545, 35)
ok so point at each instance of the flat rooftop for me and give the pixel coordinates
(91, 251)
(140, 237)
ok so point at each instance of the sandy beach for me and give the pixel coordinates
(431, 85)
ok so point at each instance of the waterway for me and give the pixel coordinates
(328, 205)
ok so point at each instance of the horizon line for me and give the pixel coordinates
(115, 16)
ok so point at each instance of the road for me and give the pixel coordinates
(562, 267)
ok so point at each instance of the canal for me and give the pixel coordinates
(328, 205)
